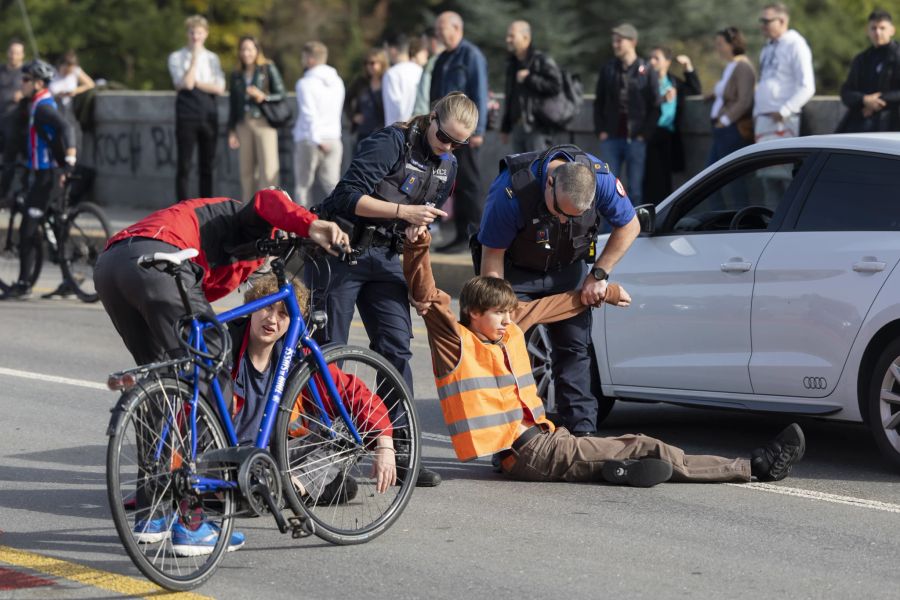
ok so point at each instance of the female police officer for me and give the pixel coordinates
(399, 176)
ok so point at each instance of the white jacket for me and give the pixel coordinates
(320, 101)
(786, 80)
(398, 90)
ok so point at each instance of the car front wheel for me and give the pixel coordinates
(884, 403)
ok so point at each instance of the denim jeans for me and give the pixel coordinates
(725, 140)
(633, 153)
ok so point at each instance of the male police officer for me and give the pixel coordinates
(542, 217)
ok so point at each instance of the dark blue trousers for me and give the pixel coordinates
(375, 286)
(574, 369)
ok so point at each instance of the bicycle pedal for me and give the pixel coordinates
(301, 527)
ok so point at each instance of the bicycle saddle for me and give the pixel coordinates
(175, 258)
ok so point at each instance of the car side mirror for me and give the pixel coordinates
(646, 214)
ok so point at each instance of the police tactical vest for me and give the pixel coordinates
(489, 393)
(545, 244)
(418, 177)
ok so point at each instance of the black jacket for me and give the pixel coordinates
(266, 78)
(862, 68)
(643, 105)
(689, 86)
(544, 81)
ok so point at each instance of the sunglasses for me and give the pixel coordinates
(556, 206)
(444, 138)
(765, 21)
(27, 80)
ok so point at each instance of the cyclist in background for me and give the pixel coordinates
(51, 157)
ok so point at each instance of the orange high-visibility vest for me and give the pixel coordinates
(483, 401)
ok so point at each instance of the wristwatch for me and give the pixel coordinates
(599, 273)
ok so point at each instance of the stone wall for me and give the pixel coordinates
(132, 146)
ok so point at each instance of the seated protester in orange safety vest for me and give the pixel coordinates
(256, 345)
(490, 403)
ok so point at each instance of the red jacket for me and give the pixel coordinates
(218, 227)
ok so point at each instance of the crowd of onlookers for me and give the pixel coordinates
(637, 111)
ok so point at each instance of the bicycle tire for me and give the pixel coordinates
(129, 472)
(83, 238)
(310, 457)
(11, 220)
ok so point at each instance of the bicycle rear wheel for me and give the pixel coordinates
(84, 238)
(10, 221)
(328, 476)
(148, 467)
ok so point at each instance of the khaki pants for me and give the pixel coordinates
(258, 155)
(313, 165)
(560, 456)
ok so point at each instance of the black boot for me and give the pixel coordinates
(424, 478)
(774, 461)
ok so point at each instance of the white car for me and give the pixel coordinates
(769, 282)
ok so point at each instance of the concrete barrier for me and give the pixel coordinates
(132, 146)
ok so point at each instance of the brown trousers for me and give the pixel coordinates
(560, 456)
(258, 156)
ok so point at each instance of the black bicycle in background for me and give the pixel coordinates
(72, 237)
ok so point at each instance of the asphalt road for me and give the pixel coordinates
(830, 531)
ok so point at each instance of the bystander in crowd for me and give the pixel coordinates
(364, 105)
(254, 80)
(732, 99)
(12, 133)
(531, 76)
(626, 109)
(871, 92)
(665, 152)
(70, 81)
(461, 67)
(434, 46)
(197, 75)
(398, 87)
(318, 149)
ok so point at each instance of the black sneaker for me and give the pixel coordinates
(644, 472)
(773, 462)
(341, 490)
(19, 291)
(64, 290)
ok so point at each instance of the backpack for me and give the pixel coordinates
(556, 112)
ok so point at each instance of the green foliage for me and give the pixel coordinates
(129, 40)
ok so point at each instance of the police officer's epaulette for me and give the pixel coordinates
(600, 167)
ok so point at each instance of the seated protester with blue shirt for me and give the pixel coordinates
(51, 154)
(400, 176)
(255, 340)
(544, 211)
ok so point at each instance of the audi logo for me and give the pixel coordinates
(815, 383)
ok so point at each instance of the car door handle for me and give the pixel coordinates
(868, 266)
(736, 267)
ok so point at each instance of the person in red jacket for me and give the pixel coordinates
(144, 304)
(256, 345)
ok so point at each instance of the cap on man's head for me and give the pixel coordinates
(626, 30)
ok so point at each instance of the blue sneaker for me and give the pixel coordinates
(202, 541)
(152, 531)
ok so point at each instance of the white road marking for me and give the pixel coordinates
(820, 496)
(93, 385)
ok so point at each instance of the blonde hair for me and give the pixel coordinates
(195, 21)
(267, 284)
(456, 106)
(480, 294)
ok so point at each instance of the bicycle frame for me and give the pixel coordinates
(296, 333)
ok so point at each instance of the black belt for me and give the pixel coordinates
(527, 435)
(519, 443)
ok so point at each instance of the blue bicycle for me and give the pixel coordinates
(174, 465)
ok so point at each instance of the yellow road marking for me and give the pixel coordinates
(121, 584)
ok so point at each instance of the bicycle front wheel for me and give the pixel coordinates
(84, 238)
(329, 478)
(158, 515)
